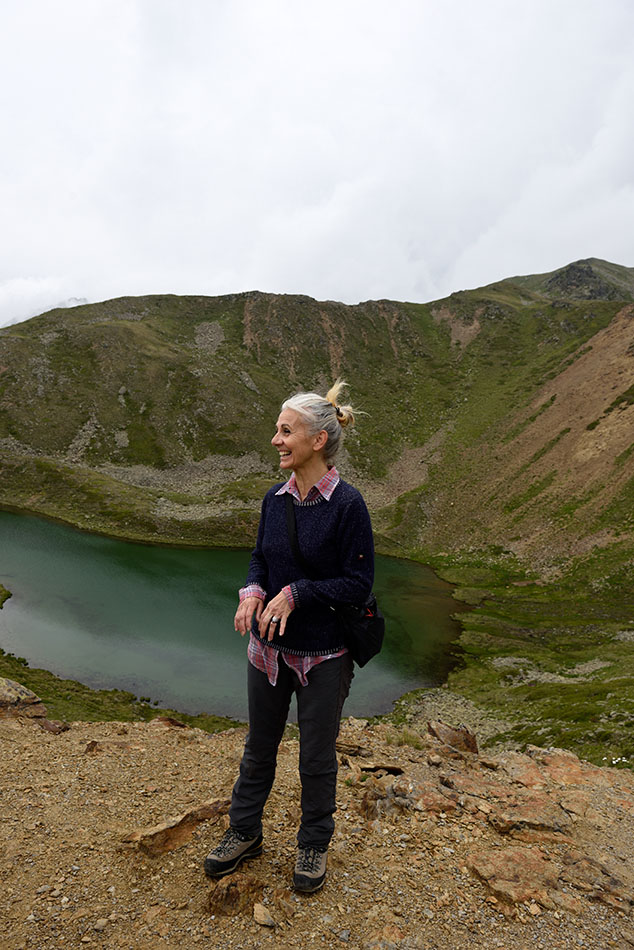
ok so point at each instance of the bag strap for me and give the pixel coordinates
(291, 526)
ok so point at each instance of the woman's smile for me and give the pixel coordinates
(292, 440)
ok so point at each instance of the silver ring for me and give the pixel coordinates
(275, 619)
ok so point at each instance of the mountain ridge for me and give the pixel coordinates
(149, 417)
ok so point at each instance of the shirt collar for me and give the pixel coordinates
(324, 487)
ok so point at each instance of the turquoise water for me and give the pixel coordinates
(159, 621)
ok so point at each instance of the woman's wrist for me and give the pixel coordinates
(252, 590)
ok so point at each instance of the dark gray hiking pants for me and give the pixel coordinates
(319, 706)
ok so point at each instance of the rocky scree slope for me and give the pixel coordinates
(437, 846)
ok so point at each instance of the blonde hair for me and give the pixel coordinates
(324, 412)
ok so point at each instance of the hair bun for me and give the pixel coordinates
(345, 414)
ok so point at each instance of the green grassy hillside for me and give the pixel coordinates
(497, 444)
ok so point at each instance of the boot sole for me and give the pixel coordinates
(309, 888)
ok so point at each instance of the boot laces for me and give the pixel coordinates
(309, 860)
(228, 843)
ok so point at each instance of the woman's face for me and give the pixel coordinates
(293, 441)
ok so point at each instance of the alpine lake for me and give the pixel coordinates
(158, 621)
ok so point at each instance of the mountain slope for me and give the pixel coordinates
(502, 416)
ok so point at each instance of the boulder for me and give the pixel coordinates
(17, 700)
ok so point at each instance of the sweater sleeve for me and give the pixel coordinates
(354, 557)
(258, 574)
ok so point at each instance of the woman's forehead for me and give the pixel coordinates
(289, 417)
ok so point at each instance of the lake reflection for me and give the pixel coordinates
(159, 621)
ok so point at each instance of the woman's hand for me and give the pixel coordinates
(244, 614)
(279, 608)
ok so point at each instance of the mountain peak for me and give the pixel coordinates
(587, 279)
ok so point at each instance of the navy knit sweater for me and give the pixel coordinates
(335, 539)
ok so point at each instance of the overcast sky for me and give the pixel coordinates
(348, 150)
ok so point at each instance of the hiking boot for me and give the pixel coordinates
(310, 870)
(233, 849)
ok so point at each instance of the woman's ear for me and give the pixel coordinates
(320, 440)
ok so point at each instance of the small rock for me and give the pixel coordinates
(54, 726)
(262, 916)
(459, 738)
(101, 924)
(234, 894)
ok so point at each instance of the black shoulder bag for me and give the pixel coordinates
(363, 627)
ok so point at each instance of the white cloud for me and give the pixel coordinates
(24, 297)
(344, 150)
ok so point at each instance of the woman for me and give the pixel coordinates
(295, 643)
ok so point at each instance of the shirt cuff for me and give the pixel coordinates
(288, 593)
(294, 593)
(252, 590)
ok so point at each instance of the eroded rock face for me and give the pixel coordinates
(516, 874)
(545, 813)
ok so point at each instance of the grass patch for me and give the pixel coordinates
(621, 459)
(73, 702)
(517, 501)
(529, 657)
(518, 429)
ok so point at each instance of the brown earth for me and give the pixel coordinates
(105, 827)
(572, 432)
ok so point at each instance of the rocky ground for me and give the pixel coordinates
(105, 826)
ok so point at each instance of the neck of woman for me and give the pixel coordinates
(308, 475)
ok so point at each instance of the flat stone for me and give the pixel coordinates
(522, 769)
(565, 768)
(539, 814)
(598, 880)
(516, 874)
